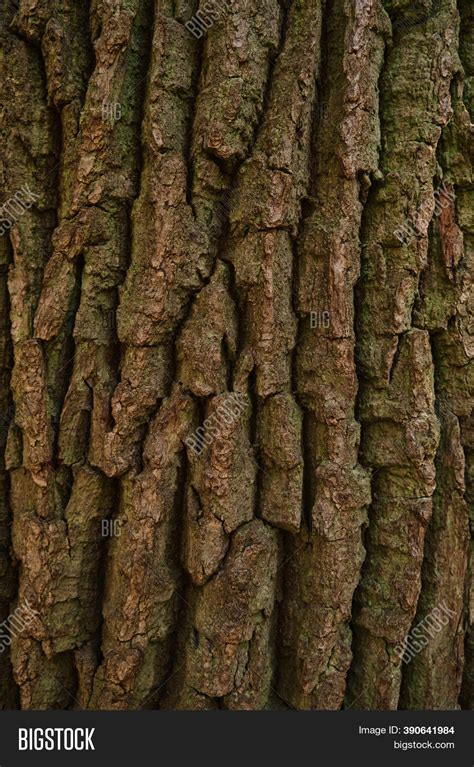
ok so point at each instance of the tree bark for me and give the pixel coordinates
(214, 258)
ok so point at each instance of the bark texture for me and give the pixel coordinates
(213, 246)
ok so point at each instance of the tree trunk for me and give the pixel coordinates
(236, 334)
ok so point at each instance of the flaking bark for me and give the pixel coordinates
(213, 251)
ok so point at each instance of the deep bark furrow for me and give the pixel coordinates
(315, 652)
(432, 678)
(32, 159)
(238, 668)
(396, 406)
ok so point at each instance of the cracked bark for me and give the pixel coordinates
(220, 255)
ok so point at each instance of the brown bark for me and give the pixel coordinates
(236, 430)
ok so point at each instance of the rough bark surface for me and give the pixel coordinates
(213, 246)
